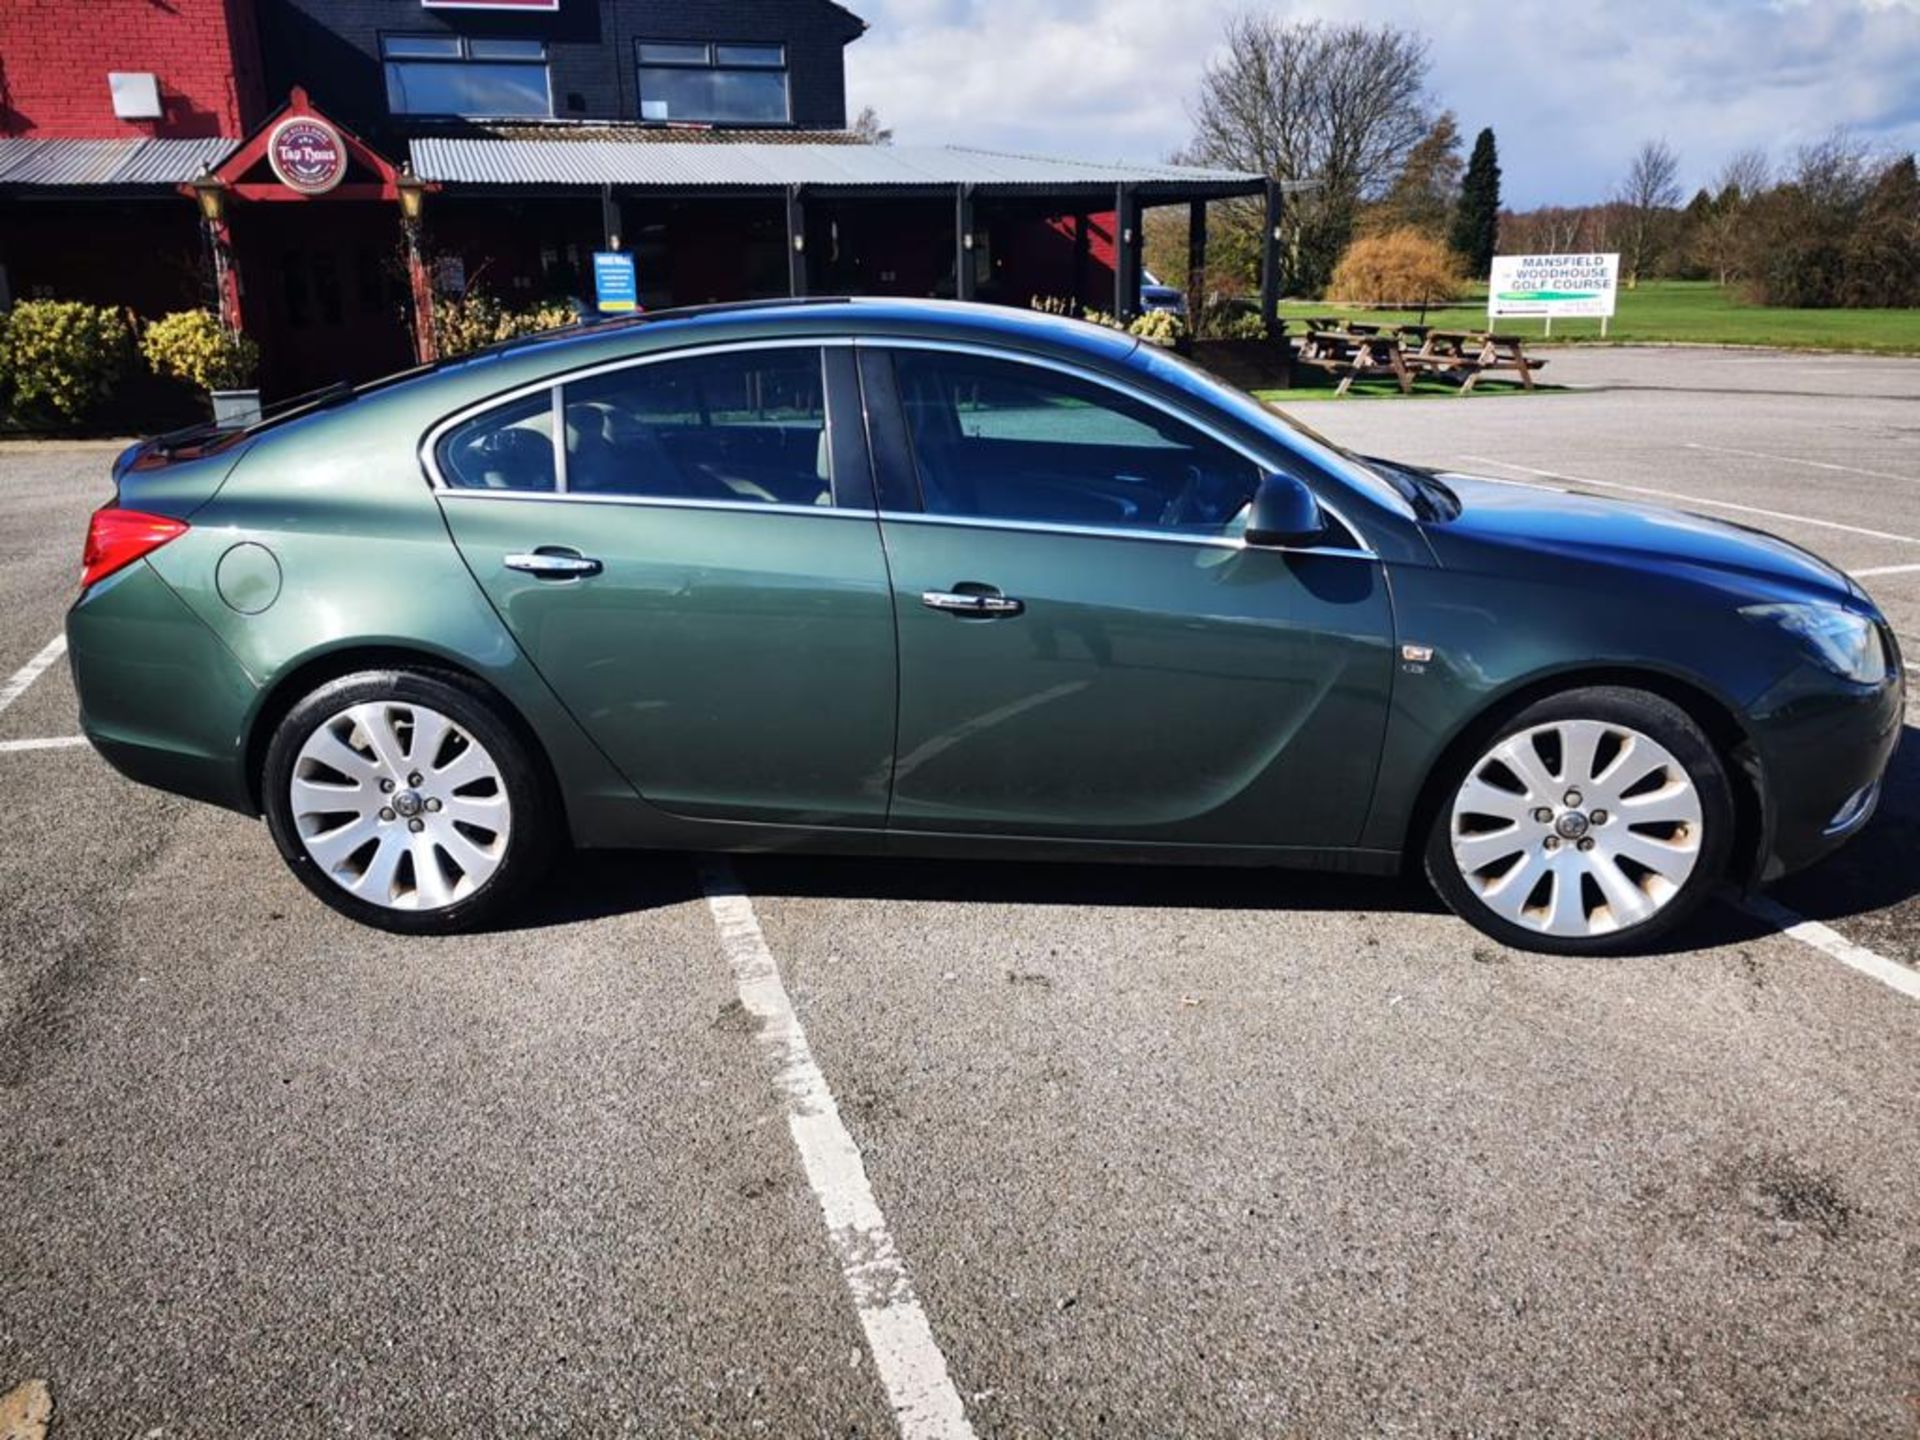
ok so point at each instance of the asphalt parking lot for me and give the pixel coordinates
(1037, 1151)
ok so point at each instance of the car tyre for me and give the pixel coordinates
(1589, 823)
(407, 800)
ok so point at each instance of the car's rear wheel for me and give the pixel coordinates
(405, 800)
(1591, 823)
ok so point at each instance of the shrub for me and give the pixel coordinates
(1073, 309)
(60, 358)
(1245, 325)
(1225, 317)
(465, 323)
(1397, 267)
(192, 345)
(1159, 327)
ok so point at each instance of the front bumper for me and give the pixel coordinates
(1823, 746)
(160, 697)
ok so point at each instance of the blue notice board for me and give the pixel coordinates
(615, 287)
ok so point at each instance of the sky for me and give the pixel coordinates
(1570, 87)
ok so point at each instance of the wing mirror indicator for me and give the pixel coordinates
(1285, 514)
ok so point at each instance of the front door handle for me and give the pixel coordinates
(981, 604)
(554, 562)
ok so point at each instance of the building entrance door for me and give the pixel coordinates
(324, 291)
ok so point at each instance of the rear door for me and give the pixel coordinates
(1087, 649)
(685, 546)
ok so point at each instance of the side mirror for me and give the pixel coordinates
(1285, 513)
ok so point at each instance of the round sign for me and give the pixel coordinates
(307, 154)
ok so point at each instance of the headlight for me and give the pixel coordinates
(1845, 641)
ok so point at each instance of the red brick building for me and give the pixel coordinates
(706, 137)
(204, 56)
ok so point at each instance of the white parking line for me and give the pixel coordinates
(1796, 460)
(18, 682)
(1825, 938)
(1882, 570)
(909, 1362)
(1696, 500)
(46, 742)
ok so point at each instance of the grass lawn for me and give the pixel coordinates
(1695, 311)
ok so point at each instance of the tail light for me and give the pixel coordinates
(116, 538)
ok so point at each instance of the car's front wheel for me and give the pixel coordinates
(1590, 823)
(405, 800)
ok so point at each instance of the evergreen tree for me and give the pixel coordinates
(1476, 220)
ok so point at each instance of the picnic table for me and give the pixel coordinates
(1346, 325)
(1359, 349)
(1356, 355)
(1466, 355)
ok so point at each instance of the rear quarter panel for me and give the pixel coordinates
(365, 560)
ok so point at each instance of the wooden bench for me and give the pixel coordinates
(1355, 355)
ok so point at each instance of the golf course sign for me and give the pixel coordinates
(1550, 285)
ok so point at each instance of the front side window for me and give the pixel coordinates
(745, 426)
(507, 448)
(721, 84)
(465, 75)
(1002, 440)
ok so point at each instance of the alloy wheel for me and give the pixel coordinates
(1576, 828)
(400, 805)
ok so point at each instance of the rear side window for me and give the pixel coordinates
(1003, 440)
(742, 425)
(508, 448)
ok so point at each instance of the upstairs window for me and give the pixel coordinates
(713, 82)
(465, 75)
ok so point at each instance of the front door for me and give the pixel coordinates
(697, 572)
(1086, 648)
(325, 289)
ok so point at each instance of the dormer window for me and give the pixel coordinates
(713, 82)
(465, 75)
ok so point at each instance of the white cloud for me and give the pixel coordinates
(1570, 90)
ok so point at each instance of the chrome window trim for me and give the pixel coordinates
(664, 502)
(1117, 532)
(1153, 402)
(428, 452)
(430, 443)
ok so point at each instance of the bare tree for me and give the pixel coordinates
(1835, 172)
(1719, 244)
(1647, 198)
(1339, 106)
(1746, 174)
(866, 125)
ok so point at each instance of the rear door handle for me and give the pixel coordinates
(988, 605)
(554, 563)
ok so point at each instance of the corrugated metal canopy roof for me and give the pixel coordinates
(61, 163)
(469, 161)
(623, 132)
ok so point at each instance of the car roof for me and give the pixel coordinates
(420, 396)
(825, 315)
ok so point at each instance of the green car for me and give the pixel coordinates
(950, 580)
